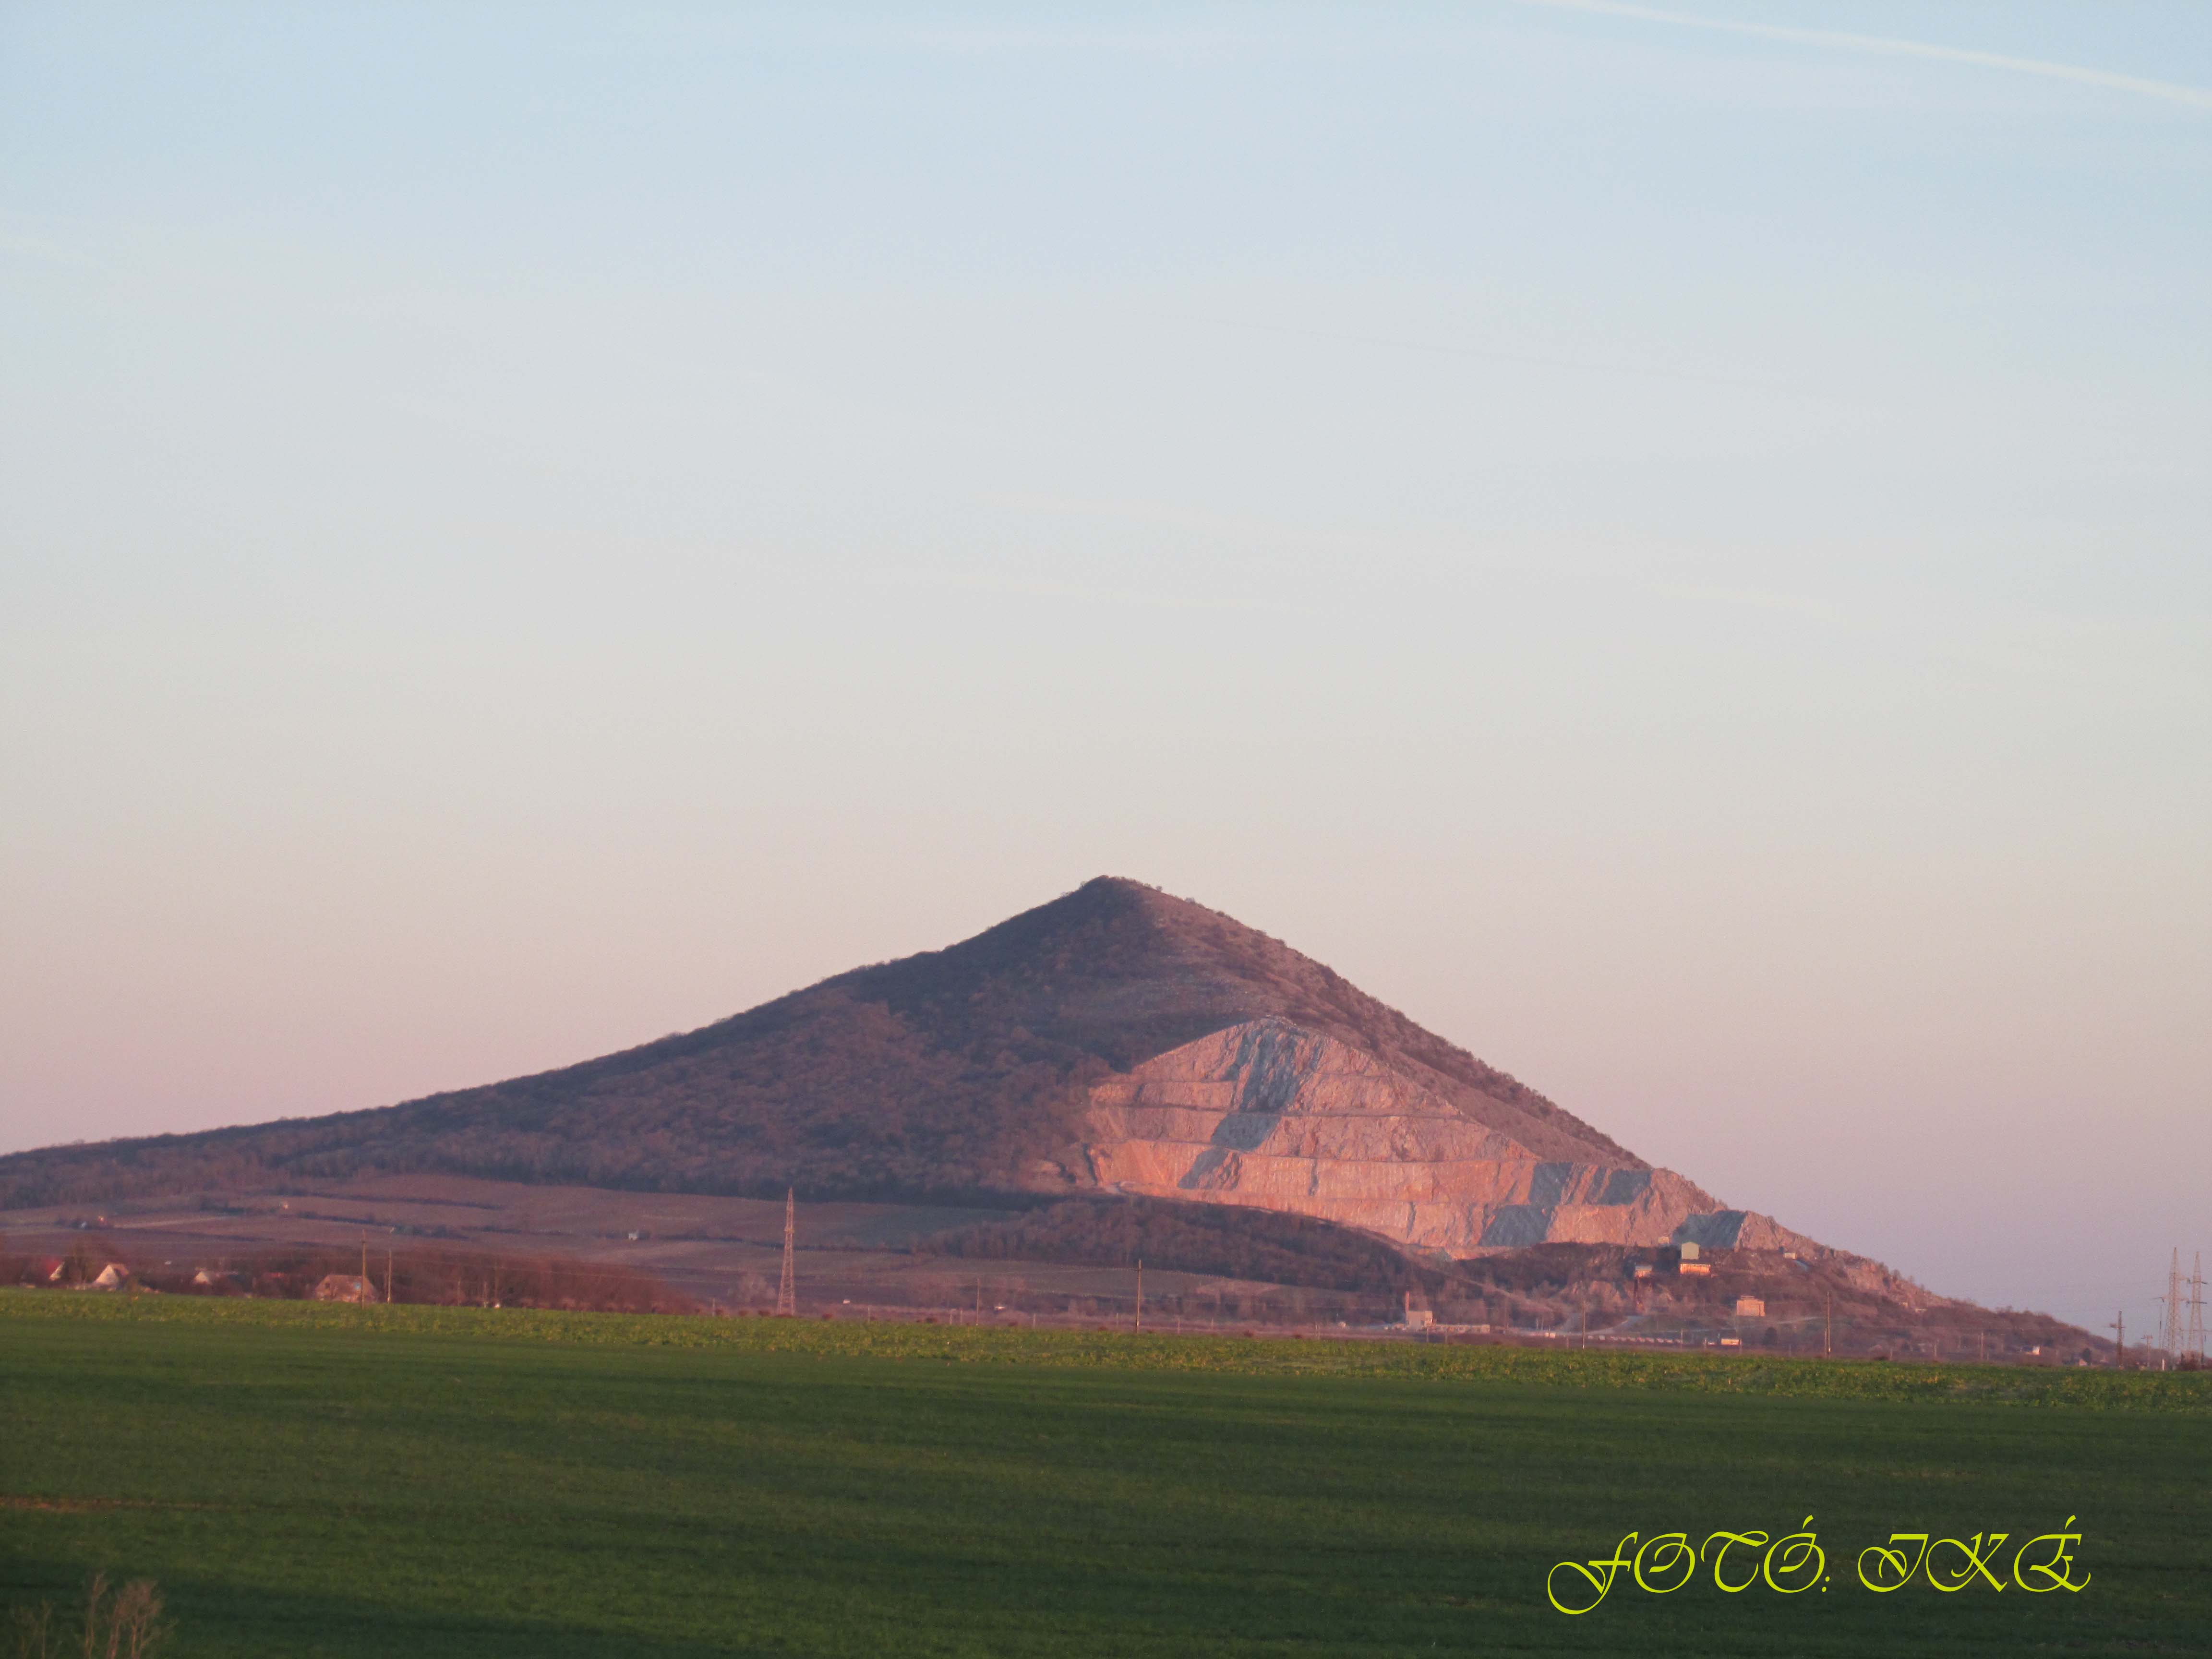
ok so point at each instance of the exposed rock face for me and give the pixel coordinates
(1269, 1114)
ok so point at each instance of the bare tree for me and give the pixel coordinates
(119, 1624)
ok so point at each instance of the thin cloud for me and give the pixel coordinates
(1583, 365)
(1139, 598)
(2172, 92)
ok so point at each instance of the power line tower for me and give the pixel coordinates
(2173, 1321)
(787, 1296)
(2194, 1340)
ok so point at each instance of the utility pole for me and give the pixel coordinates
(787, 1296)
(2120, 1348)
(1140, 1293)
(1828, 1334)
(387, 1276)
(363, 1295)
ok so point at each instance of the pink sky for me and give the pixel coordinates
(1674, 556)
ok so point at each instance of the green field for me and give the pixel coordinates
(315, 1480)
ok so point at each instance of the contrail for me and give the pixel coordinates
(2172, 92)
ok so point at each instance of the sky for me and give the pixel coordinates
(1669, 544)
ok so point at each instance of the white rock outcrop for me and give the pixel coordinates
(1269, 1114)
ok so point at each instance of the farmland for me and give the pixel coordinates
(331, 1481)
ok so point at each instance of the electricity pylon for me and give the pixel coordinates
(2175, 1320)
(2194, 1341)
(787, 1297)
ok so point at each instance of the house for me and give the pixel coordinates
(113, 1277)
(1643, 1270)
(48, 1269)
(344, 1287)
(1750, 1307)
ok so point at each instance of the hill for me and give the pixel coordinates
(952, 1070)
(1116, 1041)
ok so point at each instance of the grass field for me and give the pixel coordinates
(314, 1480)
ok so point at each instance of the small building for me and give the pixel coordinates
(1750, 1307)
(1731, 1342)
(344, 1287)
(1690, 1250)
(1696, 1268)
(1643, 1270)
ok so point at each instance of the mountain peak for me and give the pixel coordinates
(1126, 971)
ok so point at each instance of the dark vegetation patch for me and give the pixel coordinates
(1231, 1241)
(450, 1278)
